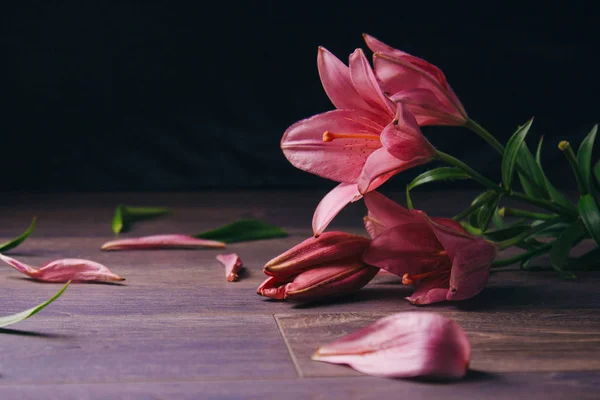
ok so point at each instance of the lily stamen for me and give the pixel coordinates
(329, 136)
(408, 279)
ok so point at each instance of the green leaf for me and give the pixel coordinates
(535, 186)
(13, 319)
(11, 244)
(485, 213)
(588, 209)
(243, 230)
(511, 152)
(498, 220)
(559, 254)
(501, 235)
(482, 207)
(584, 159)
(125, 216)
(555, 195)
(437, 174)
(597, 172)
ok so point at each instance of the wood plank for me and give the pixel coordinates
(130, 348)
(548, 386)
(502, 341)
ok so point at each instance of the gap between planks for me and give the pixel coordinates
(289, 349)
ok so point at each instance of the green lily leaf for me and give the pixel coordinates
(437, 174)
(243, 230)
(559, 254)
(588, 209)
(535, 186)
(486, 212)
(11, 244)
(501, 235)
(125, 216)
(483, 206)
(498, 220)
(13, 319)
(511, 152)
(555, 195)
(584, 159)
(597, 172)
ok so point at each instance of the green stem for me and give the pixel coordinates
(522, 256)
(485, 135)
(567, 150)
(548, 205)
(515, 212)
(448, 159)
(473, 207)
(513, 241)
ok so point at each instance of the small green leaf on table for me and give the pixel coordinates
(11, 244)
(243, 230)
(14, 318)
(125, 216)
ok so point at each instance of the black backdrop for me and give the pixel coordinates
(187, 95)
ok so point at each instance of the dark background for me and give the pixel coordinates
(190, 95)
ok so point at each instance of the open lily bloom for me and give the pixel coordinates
(361, 144)
(418, 84)
(404, 345)
(436, 255)
(317, 268)
(68, 269)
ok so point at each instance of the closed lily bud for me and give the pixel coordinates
(233, 265)
(68, 269)
(404, 345)
(319, 283)
(171, 241)
(328, 247)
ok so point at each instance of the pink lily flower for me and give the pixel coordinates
(436, 255)
(418, 84)
(233, 265)
(404, 345)
(171, 241)
(361, 144)
(68, 269)
(317, 268)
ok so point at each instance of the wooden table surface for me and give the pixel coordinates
(177, 329)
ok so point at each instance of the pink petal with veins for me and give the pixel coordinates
(68, 269)
(233, 265)
(332, 204)
(404, 345)
(161, 242)
(364, 81)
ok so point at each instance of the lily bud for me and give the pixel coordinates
(171, 241)
(318, 283)
(328, 247)
(68, 269)
(404, 345)
(326, 266)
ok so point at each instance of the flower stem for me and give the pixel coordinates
(545, 204)
(485, 135)
(473, 207)
(513, 241)
(515, 212)
(448, 159)
(522, 256)
(567, 150)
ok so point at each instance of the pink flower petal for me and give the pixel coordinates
(161, 242)
(340, 160)
(386, 212)
(233, 265)
(429, 291)
(378, 46)
(403, 138)
(381, 166)
(335, 77)
(366, 84)
(69, 269)
(404, 345)
(332, 204)
(428, 108)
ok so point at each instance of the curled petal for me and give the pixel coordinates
(404, 345)
(428, 108)
(321, 282)
(328, 247)
(340, 160)
(161, 242)
(68, 269)
(233, 265)
(378, 46)
(332, 204)
(403, 138)
(366, 84)
(381, 166)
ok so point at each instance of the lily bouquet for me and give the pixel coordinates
(373, 133)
